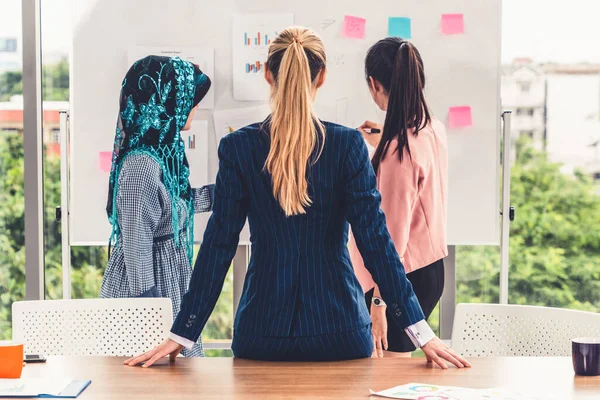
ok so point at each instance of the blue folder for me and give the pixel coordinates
(70, 392)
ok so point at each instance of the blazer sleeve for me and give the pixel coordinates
(203, 198)
(139, 212)
(372, 237)
(218, 247)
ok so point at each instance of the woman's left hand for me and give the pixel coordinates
(379, 328)
(167, 348)
(436, 351)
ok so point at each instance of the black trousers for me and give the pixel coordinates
(428, 284)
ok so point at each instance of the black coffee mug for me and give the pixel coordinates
(586, 356)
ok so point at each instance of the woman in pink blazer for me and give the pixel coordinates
(411, 162)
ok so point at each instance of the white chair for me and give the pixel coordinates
(94, 327)
(482, 330)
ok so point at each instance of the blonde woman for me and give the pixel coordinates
(299, 181)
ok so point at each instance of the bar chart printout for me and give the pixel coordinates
(252, 34)
(256, 66)
(196, 151)
(258, 39)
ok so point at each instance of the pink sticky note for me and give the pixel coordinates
(460, 117)
(105, 161)
(354, 27)
(453, 24)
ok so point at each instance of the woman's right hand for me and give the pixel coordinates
(372, 138)
(166, 348)
(379, 328)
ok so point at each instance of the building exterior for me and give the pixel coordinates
(11, 120)
(524, 91)
(558, 106)
(10, 54)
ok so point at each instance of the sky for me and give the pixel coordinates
(564, 31)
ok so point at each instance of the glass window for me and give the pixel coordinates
(554, 241)
(12, 237)
(87, 262)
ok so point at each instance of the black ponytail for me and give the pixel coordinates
(397, 65)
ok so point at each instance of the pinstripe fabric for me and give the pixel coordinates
(331, 347)
(300, 281)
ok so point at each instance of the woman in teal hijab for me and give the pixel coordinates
(151, 204)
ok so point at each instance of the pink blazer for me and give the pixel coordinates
(414, 198)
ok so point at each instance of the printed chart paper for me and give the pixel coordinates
(421, 391)
(252, 34)
(228, 121)
(196, 151)
(203, 57)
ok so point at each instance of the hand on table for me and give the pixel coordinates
(371, 138)
(166, 348)
(436, 351)
(379, 328)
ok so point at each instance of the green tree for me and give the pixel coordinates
(554, 242)
(55, 78)
(12, 225)
(10, 84)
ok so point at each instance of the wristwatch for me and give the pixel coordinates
(378, 302)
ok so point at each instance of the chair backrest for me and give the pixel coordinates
(94, 327)
(482, 330)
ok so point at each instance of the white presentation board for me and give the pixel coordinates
(458, 39)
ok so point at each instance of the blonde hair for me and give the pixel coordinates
(296, 57)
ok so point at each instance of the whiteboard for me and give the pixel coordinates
(461, 70)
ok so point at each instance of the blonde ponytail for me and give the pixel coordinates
(296, 57)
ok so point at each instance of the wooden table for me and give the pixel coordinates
(227, 378)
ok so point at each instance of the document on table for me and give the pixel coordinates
(49, 387)
(421, 391)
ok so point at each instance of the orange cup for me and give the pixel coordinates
(11, 361)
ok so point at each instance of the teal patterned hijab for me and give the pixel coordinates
(157, 96)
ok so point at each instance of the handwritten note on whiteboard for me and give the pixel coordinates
(453, 24)
(105, 161)
(460, 117)
(354, 27)
(400, 27)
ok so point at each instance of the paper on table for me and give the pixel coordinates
(105, 161)
(227, 121)
(203, 57)
(421, 391)
(453, 24)
(252, 34)
(460, 117)
(505, 394)
(196, 151)
(354, 27)
(32, 387)
(399, 27)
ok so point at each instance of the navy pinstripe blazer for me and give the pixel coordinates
(300, 281)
